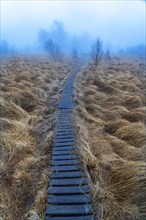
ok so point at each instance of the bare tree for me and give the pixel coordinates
(97, 51)
(53, 49)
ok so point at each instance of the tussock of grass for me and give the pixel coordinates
(110, 122)
(30, 93)
(11, 111)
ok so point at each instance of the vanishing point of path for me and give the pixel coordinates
(68, 192)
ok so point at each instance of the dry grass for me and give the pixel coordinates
(30, 91)
(110, 122)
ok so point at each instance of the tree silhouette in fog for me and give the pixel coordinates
(97, 51)
(55, 39)
(52, 49)
(58, 34)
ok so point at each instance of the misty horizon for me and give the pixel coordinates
(120, 24)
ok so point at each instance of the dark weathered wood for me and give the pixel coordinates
(65, 162)
(69, 182)
(64, 127)
(64, 144)
(67, 114)
(89, 217)
(64, 122)
(71, 199)
(68, 190)
(67, 174)
(69, 210)
(64, 137)
(66, 117)
(64, 133)
(65, 157)
(61, 127)
(63, 152)
(60, 140)
(64, 168)
(66, 105)
(64, 148)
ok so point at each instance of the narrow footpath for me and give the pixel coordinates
(68, 192)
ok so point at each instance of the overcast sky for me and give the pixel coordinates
(119, 22)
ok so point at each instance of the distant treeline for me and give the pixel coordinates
(6, 49)
(138, 50)
(66, 43)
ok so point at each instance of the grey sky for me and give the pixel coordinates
(121, 23)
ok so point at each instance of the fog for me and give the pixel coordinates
(120, 24)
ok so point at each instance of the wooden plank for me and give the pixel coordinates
(64, 120)
(65, 114)
(69, 182)
(69, 210)
(64, 152)
(65, 137)
(66, 104)
(64, 133)
(65, 129)
(65, 162)
(67, 174)
(68, 190)
(64, 144)
(64, 157)
(64, 148)
(64, 126)
(71, 199)
(89, 217)
(64, 111)
(64, 168)
(60, 140)
(72, 131)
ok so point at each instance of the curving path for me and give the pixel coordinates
(68, 192)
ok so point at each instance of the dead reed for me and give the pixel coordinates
(30, 92)
(110, 122)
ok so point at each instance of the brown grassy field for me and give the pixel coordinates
(30, 92)
(110, 122)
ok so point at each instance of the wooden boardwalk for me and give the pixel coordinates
(68, 192)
